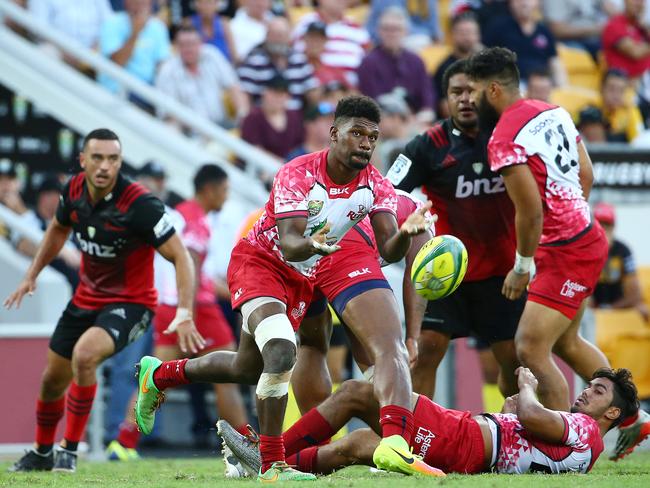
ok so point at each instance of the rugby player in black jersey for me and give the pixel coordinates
(118, 225)
(449, 161)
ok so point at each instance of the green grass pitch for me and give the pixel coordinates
(203, 472)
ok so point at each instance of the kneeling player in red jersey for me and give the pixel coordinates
(525, 437)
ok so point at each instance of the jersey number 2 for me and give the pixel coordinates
(563, 152)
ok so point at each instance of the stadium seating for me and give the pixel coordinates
(433, 55)
(580, 66)
(573, 99)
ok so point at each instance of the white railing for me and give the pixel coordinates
(254, 157)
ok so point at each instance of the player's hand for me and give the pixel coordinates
(412, 348)
(189, 338)
(26, 287)
(510, 404)
(319, 242)
(515, 284)
(525, 377)
(419, 221)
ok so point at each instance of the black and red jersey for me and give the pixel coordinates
(117, 237)
(469, 198)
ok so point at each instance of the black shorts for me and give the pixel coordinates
(124, 322)
(476, 309)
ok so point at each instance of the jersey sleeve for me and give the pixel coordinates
(503, 153)
(411, 169)
(290, 191)
(64, 209)
(150, 220)
(581, 431)
(385, 198)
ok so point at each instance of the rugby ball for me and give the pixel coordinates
(439, 267)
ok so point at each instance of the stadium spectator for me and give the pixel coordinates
(396, 126)
(47, 199)
(390, 65)
(10, 188)
(532, 41)
(424, 26)
(154, 177)
(591, 125)
(622, 118)
(578, 23)
(271, 126)
(485, 10)
(81, 20)
(333, 91)
(318, 120)
(465, 40)
(275, 55)
(249, 25)
(200, 77)
(539, 85)
(315, 39)
(618, 286)
(214, 29)
(626, 42)
(136, 40)
(347, 41)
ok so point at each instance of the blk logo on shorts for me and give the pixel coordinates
(570, 288)
(359, 272)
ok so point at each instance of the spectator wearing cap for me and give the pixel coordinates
(271, 126)
(318, 121)
(315, 40)
(626, 42)
(47, 201)
(201, 78)
(347, 41)
(465, 41)
(214, 29)
(539, 85)
(249, 25)
(532, 41)
(618, 286)
(389, 66)
(592, 125)
(623, 119)
(275, 55)
(154, 177)
(424, 26)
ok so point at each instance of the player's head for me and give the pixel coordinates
(494, 77)
(355, 132)
(211, 186)
(101, 158)
(610, 397)
(455, 83)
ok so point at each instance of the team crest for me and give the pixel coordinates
(91, 232)
(314, 207)
(477, 167)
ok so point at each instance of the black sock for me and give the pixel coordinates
(44, 449)
(71, 446)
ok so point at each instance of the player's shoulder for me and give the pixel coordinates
(518, 116)
(133, 193)
(74, 187)
(438, 134)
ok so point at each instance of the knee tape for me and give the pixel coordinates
(251, 305)
(273, 385)
(276, 326)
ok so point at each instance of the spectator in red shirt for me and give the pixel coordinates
(626, 43)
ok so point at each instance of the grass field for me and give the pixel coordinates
(203, 472)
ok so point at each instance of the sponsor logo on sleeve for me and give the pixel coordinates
(399, 169)
(163, 226)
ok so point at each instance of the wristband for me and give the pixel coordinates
(522, 263)
(182, 314)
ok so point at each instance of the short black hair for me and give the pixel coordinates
(187, 28)
(540, 72)
(497, 63)
(626, 396)
(359, 106)
(614, 73)
(460, 66)
(208, 173)
(102, 135)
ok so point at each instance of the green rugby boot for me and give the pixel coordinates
(149, 396)
(281, 471)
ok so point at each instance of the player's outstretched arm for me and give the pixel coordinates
(296, 246)
(547, 425)
(393, 243)
(53, 241)
(586, 173)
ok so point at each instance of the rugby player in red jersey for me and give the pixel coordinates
(548, 175)
(118, 225)
(526, 437)
(314, 201)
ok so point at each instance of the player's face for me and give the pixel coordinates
(596, 399)
(461, 109)
(101, 161)
(218, 194)
(354, 141)
(487, 114)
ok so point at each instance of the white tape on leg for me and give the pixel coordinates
(251, 305)
(273, 385)
(276, 326)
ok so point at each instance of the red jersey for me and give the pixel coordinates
(544, 137)
(117, 237)
(302, 188)
(618, 28)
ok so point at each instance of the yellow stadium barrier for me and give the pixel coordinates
(580, 66)
(433, 55)
(573, 99)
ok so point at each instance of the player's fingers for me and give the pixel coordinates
(182, 342)
(424, 208)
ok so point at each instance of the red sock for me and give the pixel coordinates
(79, 404)
(310, 430)
(243, 429)
(396, 420)
(129, 435)
(271, 450)
(171, 373)
(48, 415)
(630, 420)
(304, 460)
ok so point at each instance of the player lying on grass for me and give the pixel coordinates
(526, 437)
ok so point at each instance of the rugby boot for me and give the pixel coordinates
(33, 461)
(393, 454)
(149, 396)
(631, 436)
